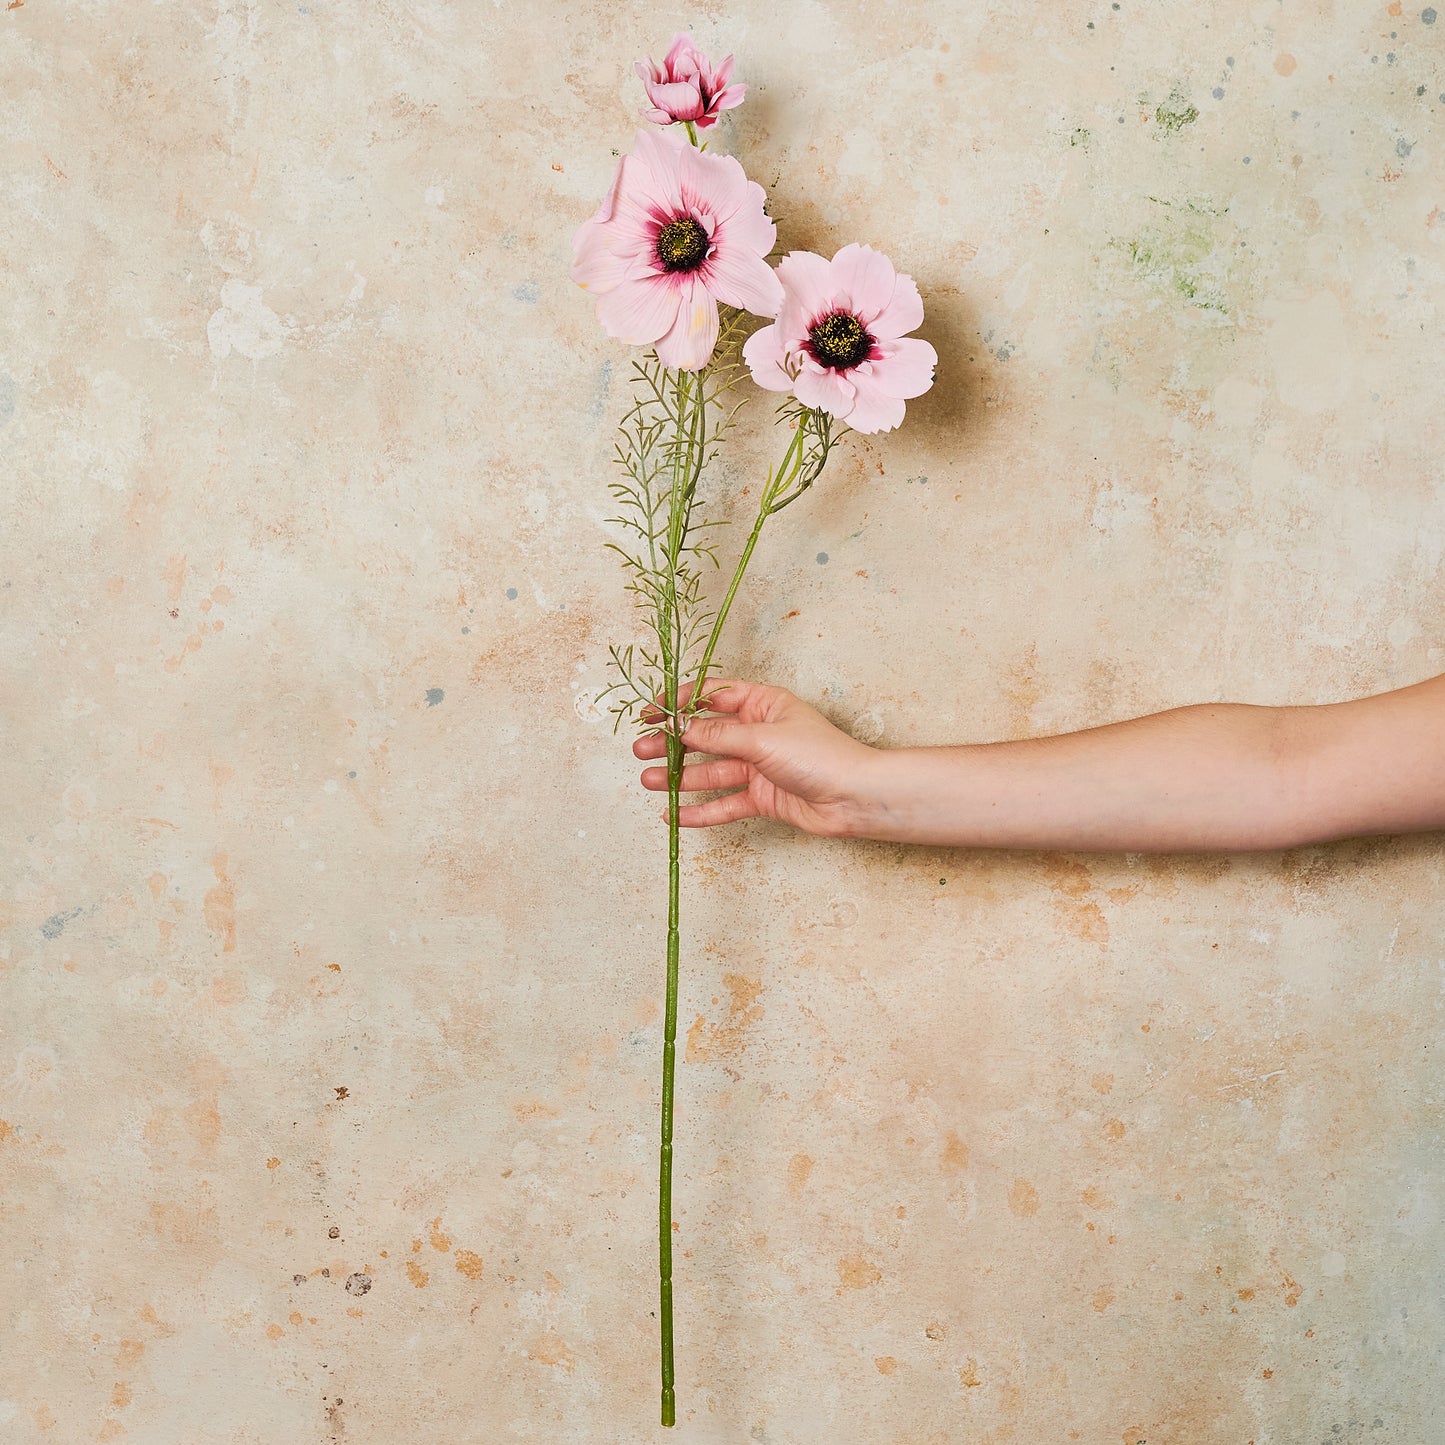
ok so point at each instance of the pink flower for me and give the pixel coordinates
(686, 87)
(677, 232)
(838, 344)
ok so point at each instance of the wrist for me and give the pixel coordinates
(890, 800)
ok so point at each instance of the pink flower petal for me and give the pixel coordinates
(761, 235)
(678, 99)
(735, 194)
(764, 352)
(829, 391)
(596, 266)
(660, 152)
(604, 209)
(728, 97)
(719, 78)
(865, 280)
(630, 225)
(681, 44)
(906, 366)
(903, 313)
(692, 338)
(716, 185)
(607, 245)
(742, 278)
(808, 283)
(873, 409)
(639, 311)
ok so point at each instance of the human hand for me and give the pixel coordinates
(787, 761)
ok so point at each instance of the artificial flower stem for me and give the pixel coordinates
(728, 602)
(669, 1060)
(791, 465)
(824, 429)
(691, 131)
(690, 431)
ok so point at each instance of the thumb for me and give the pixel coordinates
(724, 737)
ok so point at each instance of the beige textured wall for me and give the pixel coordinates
(331, 909)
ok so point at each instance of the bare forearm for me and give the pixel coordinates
(1211, 777)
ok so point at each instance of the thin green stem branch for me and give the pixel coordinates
(797, 462)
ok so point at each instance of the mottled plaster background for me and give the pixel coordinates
(331, 910)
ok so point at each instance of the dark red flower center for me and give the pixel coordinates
(682, 245)
(839, 341)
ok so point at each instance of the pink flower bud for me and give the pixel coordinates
(687, 87)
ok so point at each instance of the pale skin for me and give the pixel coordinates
(1209, 777)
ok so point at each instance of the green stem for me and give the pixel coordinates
(687, 460)
(786, 474)
(669, 1060)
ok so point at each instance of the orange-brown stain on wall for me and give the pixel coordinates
(1023, 1198)
(1071, 882)
(715, 1042)
(954, 1159)
(219, 905)
(857, 1271)
(551, 1349)
(800, 1166)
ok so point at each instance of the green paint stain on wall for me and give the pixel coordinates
(1199, 208)
(1081, 137)
(1173, 114)
(1178, 256)
(1164, 263)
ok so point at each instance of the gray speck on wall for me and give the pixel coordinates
(528, 291)
(604, 389)
(54, 926)
(433, 696)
